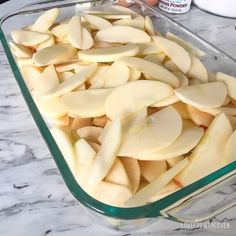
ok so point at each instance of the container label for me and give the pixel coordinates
(175, 6)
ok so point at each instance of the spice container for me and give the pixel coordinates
(175, 6)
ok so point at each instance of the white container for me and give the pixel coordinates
(175, 6)
(220, 7)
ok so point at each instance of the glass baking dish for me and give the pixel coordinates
(196, 202)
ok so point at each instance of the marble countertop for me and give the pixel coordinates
(34, 201)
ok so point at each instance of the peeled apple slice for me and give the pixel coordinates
(118, 175)
(28, 38)
(90, 133)
(49, 42)
(87, 40)
(79, 122)
(152, 134)
(208, 95)
(129, 35)
(173, 161)
(86, 103)
(150, 170)
(124, 9)
(230, 149)
(64, 144)
(175, 52)
(198, 70)
(209, 155)
(230, 83)
(45, 21)
(170, 65)
(55, 54)
(148, 48)
(182, 145)
(75, 32)
(110, 15)
(97, 22)
(146, 193)
(134, 74)
(133, 96)
(20, 51)
(155, 71)
(137, 22)
(108, 54)
(60, 31)
(106, 155)
(149, 26)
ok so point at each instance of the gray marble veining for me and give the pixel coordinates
(34, 201)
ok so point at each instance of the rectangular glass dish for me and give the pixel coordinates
(185, 205)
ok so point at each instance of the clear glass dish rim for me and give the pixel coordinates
(150, 210)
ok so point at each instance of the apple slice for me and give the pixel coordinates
(175, 52)
(45, 21)
(150, 170)
(95, 146)
(148, 49)
(173, 161)
(209, 155)
(28, 38)
(149, 26)
(199, 117)
(87, 39)
(97, 22)
(108, 54)
(112, 194)
(118, 175)
(198, 70)
(230, 149)
(123, 9)
(49, 42)
(52, 108)
(104, 131)
(170, 65)
(182, 145)
(75, 32)
(106, 155)
(20, 50)
(146, 193)
(129, 35)
(109, 15)
(90, 133)
(152, 134)
(97, 74)
(100, 121)
(135, 96)
(230, 83)
(134, 74)
(132, 169)
(84, 153)
(65, 145)
(155, 72)
(211, 76)
(79, 122)
(182, 110)
(155, 58)
(86, 103)
(60, 31)
(208, 95)
(55, 54)
(232, 120)
(137, 22)
(187, 46)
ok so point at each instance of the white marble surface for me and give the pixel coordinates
(34, 201)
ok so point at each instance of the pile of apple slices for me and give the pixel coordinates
(136, 115)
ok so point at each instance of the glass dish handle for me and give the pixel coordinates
(205, 203)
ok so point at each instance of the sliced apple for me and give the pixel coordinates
(95, 146)
(230, 83)
(199, 117)
(137, 22)
(148, 49)
(170, 65)
(106, 155)
(112, 194)
(230, 149)
(134, 74)
(100, 121)
(146, 193)
(208, 95)
(211, 76)
(65, 145)
(132, 169)
(182, 145)
(90, 133)
(64, 75)
(45, 21)
(87, 39)
(108, 54)
(60, 31)
(118, 175)
(20, 50)
(154, 133)
(156, 72)
(155, 58)
(68, 66)
(63, 121)
(209, 155)
(49, 42)
(198, 70)
(149, 26)
(84, 153)
(187, 46)
(98, 73)
(79, 122)
(109, 15)
(173, 161)
(75, 32)
(86, 103)
(55, 54)
(182, 110)
(232, 120)
(104, 131)
(28, 38)
(150, 170)
(175, 52)
(124, 9)
(135, 96)
(97, 22)
(52, 108)
(129, 35)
